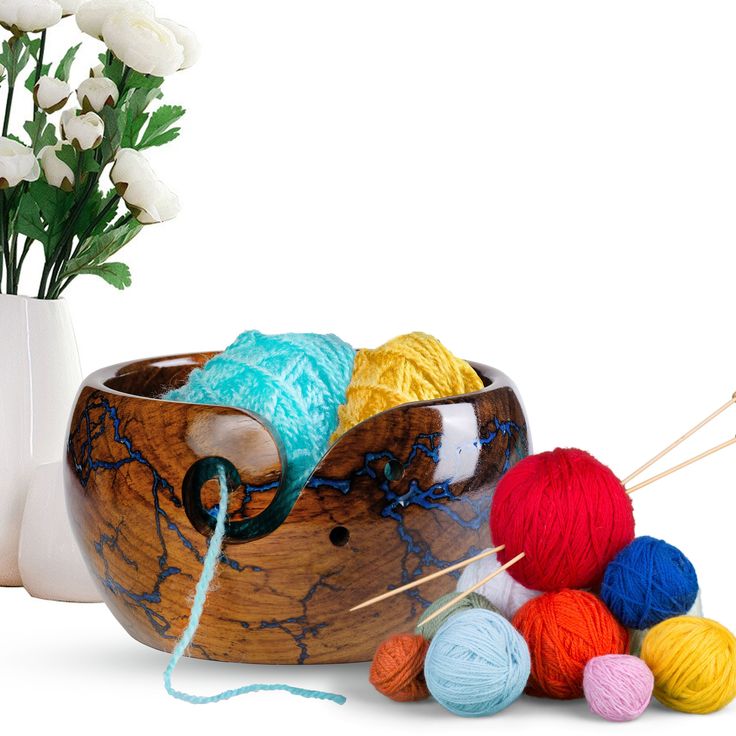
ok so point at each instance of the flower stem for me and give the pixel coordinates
(26, 248)
(60, 288)
(39, 62)
(13, 266)
(3, 240)
(124, 79)
(65, 242)
(100, 217)
(39, 69)
(8, 105)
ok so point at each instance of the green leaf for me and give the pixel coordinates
(133, 129)
(159, 130)
(112, 70)
(116, 274)
(65, 65)
(40, 132)
(136, 80)
(14, 56)
(90, 211)
(54, 205)
(134, 106)
(114, 119)
(53, 202)
(29, 220)
(88, 163)
(96, 249)
(34, 46)
(30, 82)
(68, 154)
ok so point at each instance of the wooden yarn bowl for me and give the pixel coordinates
(400, 495)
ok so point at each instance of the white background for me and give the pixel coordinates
(546, 187)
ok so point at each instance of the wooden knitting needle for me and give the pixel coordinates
(680, 440)
(427, 578)
(473, 588)
(692, 460)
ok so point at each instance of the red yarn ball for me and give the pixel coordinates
(568, 512)
(397, 670)
(564, 631)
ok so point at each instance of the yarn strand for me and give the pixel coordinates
(208, 571)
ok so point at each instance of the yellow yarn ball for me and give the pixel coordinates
(694, 663)
(413, 367)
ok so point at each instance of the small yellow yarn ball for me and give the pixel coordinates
(413, 367)
(694, 663)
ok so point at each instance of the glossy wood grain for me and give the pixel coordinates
(400, 495)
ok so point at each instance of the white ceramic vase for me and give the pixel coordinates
(39, 377)
(50, 561)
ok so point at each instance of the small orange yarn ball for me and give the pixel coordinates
(564, 630)
(397, 670)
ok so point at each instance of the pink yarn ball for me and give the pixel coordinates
(618, 687)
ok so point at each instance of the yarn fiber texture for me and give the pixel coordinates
(637, 636)
(694, 663)
(564, 631)
(618, 687)
(474, 600)
(413, 367)
(568, 512)
(477, 663)
(647, 582)
(397, 670)
(503, 591)
(295, 381)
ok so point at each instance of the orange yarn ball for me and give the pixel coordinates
(397, 670)
(565, 630)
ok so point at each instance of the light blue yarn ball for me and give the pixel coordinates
(477, 664)
(295, 381)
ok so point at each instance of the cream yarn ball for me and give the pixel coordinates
(503, 591)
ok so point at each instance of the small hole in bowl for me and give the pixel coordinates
(339, 536)
(393, 470)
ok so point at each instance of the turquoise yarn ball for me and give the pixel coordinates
(477, 664)
(474, 600)
(295, 381)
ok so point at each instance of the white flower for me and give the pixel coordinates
(142, 43)
(83, 131)
(97, 71)
(57, 173)
(2, 72)
(17, 163)
(66, 116)
(29, 15)
(151, 201)
(93, 14)
(186, 39)
(130, 166)
(51, 94)
(96, 92)
(69, 7)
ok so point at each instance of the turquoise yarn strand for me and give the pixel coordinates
(208, 572)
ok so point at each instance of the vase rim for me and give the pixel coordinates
(25, 297)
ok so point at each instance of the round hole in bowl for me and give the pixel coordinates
(393, 470)
(339, 536)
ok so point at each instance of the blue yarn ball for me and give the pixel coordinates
(647, 582)
(477, 664)
(295, 381)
